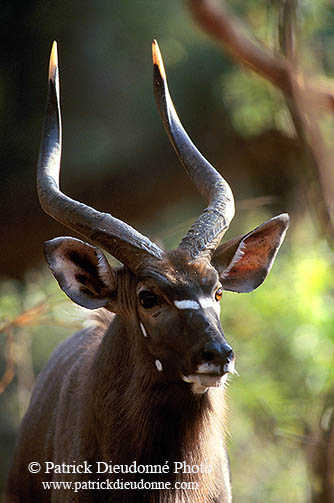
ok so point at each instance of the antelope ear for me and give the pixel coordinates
(82, 271)
(244, 262)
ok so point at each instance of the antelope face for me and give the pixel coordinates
(178, 311)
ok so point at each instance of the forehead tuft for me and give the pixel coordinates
(200, 270)
(178, 269)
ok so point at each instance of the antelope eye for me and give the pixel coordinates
(219, 294)
(148, 299)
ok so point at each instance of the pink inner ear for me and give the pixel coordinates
(256, 252)
(254, 256)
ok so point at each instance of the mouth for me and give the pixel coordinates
(209, 376)
(206, 380)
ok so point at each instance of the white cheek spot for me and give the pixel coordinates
(158, 364)
(186, 304)
(143, 329)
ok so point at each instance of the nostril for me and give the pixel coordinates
(229, 355)
(221, 353)
(208, 356)
(212, 351)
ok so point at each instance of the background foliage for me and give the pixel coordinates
(282, 333)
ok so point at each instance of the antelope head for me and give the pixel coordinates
(170, 299)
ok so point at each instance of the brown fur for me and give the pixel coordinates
(126, 415)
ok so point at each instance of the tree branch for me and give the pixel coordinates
(231, 34)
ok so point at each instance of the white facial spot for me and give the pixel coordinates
(204, 303)
(143, 329)
(158, 364)
(186, 304)
(207, 302)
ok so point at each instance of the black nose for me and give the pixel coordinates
(217, 352)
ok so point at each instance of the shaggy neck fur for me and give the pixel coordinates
(137, 416)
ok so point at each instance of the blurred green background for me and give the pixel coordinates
(117, 158)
